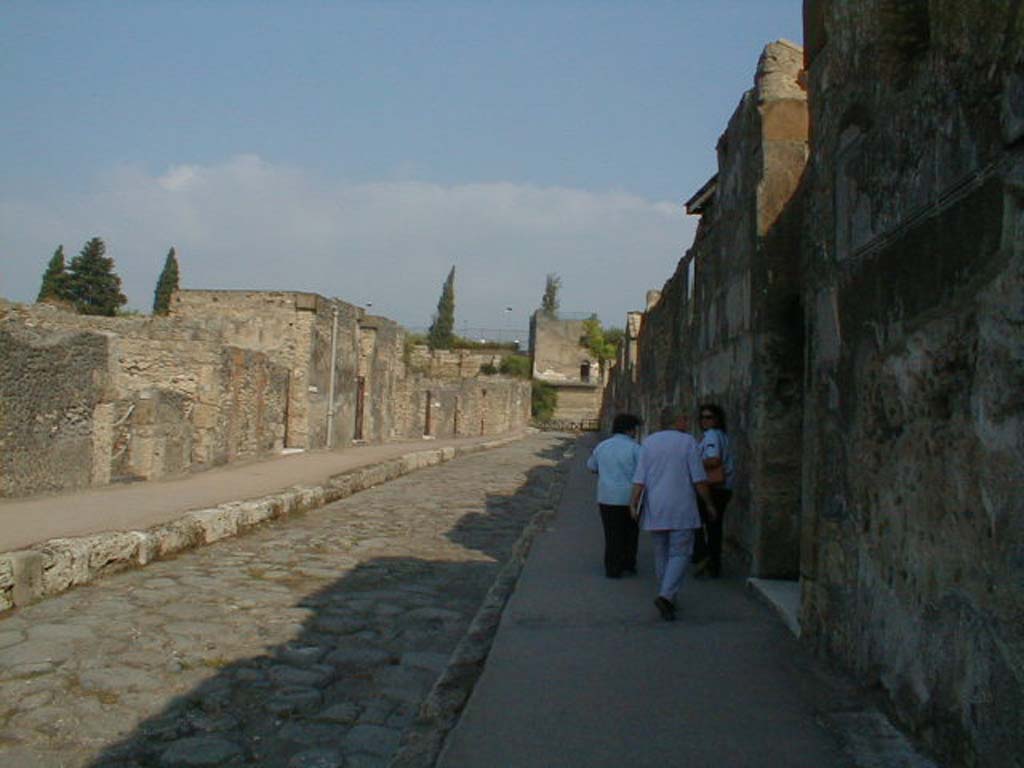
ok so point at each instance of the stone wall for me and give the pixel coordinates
(913, 537)
(558, 356)
(489, 405)
(298, 331)
(385, 407)
(47, 422)
(862, 325)
(450, 364)
(727, 328)
(228, 374)
(127, 399)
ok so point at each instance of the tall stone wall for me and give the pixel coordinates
(727, 328)
(913, 537)
(862, 324)
(445, 408)
(230, 374)
(163, 397)
(558, 356)
(301, 331)
(47, 422)
(385, 409)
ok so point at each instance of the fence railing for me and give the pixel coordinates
(485, 335)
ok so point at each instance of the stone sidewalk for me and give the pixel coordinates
(584, 672)
(51, 543)
(306, 644)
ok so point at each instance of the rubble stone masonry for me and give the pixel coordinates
(913, 536)
(90, 400)
(229, 374)
(859, 312)
(726, 326)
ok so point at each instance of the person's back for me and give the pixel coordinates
(669, 466)
(614, 460)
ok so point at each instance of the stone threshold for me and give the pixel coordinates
(784, 596)
(56, 565)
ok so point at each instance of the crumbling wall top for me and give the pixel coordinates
(778, 72)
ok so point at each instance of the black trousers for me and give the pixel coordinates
(711, 549)
(621, 534)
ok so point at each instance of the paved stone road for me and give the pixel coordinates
(307, 644)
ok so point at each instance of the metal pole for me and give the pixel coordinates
(330, 389)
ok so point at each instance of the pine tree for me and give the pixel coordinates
(93, 285)
(55, 278)
(166, 285)
(441, 334)
(549, 301)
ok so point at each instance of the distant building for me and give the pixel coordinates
(559, 359)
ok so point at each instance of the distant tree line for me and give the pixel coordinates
(92, 286)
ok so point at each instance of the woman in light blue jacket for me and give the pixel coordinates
(717, 456)
(614, 461)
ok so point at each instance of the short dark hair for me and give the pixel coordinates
(625, 422)
(719, 414)
(669, 416)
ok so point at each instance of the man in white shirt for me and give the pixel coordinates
(667, 475)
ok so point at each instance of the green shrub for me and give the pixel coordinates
(516, 365)
(543, 400)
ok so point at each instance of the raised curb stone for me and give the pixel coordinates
(58, 564)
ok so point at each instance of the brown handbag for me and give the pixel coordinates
(716, 475)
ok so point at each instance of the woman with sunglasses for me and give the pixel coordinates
(718, 460)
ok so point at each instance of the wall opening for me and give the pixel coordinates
(360, 405)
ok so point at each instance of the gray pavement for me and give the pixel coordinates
(308, 643)
(583, 672)
(24, 522)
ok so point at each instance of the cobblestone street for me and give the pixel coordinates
(307, 644)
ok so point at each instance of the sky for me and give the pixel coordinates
(362, 149)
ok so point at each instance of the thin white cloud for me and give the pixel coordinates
(247, 223)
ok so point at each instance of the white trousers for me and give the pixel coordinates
(672, 550)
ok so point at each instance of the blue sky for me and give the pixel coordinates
(360, 149)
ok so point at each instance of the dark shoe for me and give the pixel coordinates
(630, 569)
(665, 608)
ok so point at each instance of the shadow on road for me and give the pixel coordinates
(348, 684)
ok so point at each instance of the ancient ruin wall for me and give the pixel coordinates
(173, 398)
(450, 363)
(295, 330)
(726, 326)
(229, 374)
(47, 421)
(557, 352)
(468, 407)
(914, 530)
(387, 411)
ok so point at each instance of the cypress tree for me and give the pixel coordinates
(441, 334)
(93, 285)
(549, 301)
(55, 278)
(166, 285)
